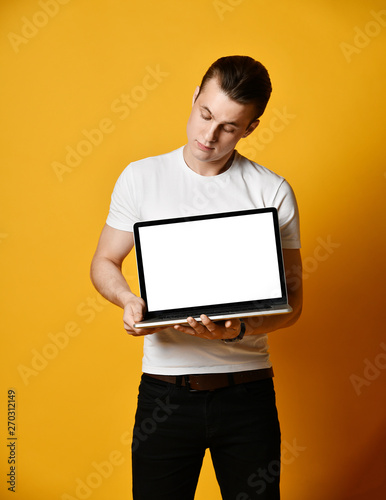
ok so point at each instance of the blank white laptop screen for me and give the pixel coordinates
(210, 261)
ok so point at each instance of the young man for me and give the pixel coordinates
(205, 384)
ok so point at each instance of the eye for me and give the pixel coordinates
(229, 131)
(205, 117)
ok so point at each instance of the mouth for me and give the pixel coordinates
(203, 147)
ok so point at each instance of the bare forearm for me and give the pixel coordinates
(108, 279)
(266, 324)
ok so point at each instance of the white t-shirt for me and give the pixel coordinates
(165, 187)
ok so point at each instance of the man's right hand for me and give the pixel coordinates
(133, 313)
(106, 274)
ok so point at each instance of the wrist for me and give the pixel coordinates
(125, 297)
(239, 337)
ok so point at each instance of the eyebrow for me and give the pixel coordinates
(234, 124)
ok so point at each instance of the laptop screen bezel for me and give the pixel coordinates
(207, 309)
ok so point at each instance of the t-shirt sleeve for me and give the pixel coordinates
(288, 212)
(123, 212)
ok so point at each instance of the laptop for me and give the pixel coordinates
(223, 265)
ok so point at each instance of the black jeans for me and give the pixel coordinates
(174, 426)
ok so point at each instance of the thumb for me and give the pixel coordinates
(137, 315)
(233, 323)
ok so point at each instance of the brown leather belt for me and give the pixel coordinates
(213, 381)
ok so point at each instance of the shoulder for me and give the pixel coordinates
(250, 167)
(145, 166)
(262, 177)
(274, 189)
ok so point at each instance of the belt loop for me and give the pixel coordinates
(187, 381)
(231, 380)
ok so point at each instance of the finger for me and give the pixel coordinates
(197, 326)
(128, 322)
(137, 315)
(137, 332)
(209, 324)
(147, 331)
(140, 332)
(132, 315)
(185, 329)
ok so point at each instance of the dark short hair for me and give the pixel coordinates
(242, 79)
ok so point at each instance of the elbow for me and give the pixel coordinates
(95, 270)
(295, 314)
(92, 271)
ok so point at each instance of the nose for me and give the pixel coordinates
(211, 132)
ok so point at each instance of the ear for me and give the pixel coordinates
(195, 95)
(251, 128)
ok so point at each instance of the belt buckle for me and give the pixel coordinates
(188, 385)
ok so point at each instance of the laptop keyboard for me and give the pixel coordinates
(172, 316)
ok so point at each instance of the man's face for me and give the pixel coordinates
(215, 126)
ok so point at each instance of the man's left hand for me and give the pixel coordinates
(207, 329)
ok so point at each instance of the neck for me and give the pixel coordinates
(207, 169)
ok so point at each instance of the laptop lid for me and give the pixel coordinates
(223, 264)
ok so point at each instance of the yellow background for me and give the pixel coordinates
(65, 67)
